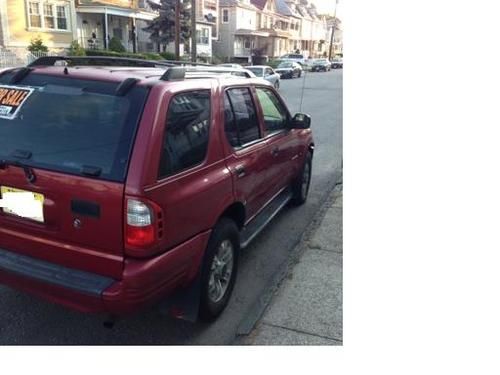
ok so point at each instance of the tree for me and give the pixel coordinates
(115, 45)
(162, 28)
(36, 45)
(75, 49)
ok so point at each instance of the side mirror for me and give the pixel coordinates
(301, 121)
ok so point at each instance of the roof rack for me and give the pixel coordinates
(175, 70)
(98, 61)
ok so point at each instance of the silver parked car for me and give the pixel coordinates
(267, 73)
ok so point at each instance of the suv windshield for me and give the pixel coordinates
(285, 65)
(70, 125)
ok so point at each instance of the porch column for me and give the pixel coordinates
(105, 28)
(134, 35)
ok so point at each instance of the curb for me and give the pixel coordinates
(247, 325)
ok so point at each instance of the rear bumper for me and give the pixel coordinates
(144, 281)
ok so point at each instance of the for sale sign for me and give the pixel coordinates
(11, 100)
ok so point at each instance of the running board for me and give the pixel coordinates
(258, 223)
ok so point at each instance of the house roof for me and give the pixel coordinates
(259, 3)
(228, 3)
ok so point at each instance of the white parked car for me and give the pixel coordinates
(295, 57)
(267, 73)
(229, 65)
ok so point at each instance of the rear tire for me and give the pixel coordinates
(300, 187)
(219, 269)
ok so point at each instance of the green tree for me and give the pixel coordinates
(36, 45)
(115, 45)
(162, 28)
(75, 49)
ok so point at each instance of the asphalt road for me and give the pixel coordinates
(29, 321)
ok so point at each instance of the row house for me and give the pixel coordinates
(269, 27)
(97, 21)
(22, 20)
(59, 22)
(207, 27)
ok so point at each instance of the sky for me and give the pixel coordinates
(328, 6)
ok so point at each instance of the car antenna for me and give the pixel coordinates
(303, 89)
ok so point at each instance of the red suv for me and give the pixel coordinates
(124, 186)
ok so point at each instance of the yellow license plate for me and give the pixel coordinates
(35, 205)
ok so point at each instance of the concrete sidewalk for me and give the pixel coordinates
(307, 308)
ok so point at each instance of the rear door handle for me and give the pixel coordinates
(240, 171)
(275, 151)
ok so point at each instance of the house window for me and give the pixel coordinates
(225, 15)
(202, 36)
(247, 43)
(47, 15)
(62, 23)
(34, 14)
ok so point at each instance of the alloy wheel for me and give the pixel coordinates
(221, 271)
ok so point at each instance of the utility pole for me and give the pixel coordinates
(193, 31)
(333, 30)
(177, 29)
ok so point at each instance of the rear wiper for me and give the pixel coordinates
(20, 154)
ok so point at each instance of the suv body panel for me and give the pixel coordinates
(192, 201)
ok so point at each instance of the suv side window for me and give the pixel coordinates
(268, 72)
(275, 115)
(185, 142)
(241, 123)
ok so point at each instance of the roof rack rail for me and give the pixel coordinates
(98, 61)
(185, 63)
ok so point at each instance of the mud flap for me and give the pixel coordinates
(185, 303)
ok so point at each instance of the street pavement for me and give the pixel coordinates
(30, 321)
(307, 307)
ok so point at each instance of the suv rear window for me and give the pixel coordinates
(67, 124)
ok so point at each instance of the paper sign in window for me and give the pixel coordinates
(11, 100)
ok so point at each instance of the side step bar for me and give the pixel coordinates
(259, 222)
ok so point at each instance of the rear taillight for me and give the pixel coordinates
(140, 227)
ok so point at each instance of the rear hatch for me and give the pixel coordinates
(65, 144)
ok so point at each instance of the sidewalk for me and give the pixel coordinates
(307, 308)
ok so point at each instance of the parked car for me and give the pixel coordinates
(337, 64)
(238, 72)
(295, 57)
(289, 69)
(267, 73)
(229, 65)
(139, 185)
(321, 65)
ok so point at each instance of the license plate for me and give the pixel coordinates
(23, 203)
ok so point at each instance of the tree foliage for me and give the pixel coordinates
(75, 49)
(116, 45)
(162, 28)
(36, 45)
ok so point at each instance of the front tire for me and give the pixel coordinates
(277, 85)
(300, 187)
(219, 270)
